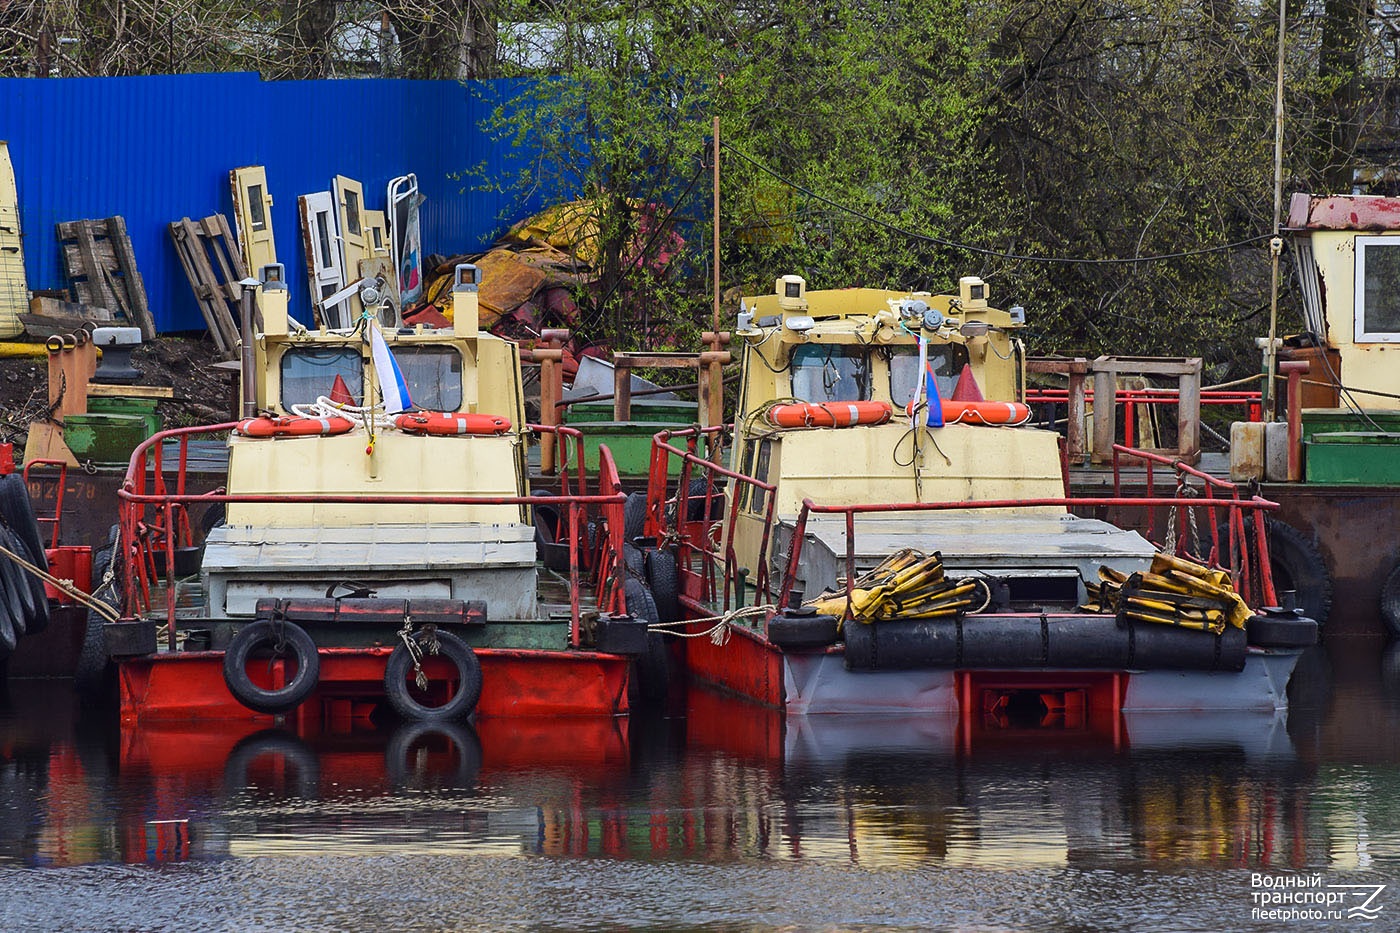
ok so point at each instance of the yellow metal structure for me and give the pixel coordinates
(481, 370)
(13, 288)
(865, 345)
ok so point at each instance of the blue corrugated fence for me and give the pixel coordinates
(155, 149)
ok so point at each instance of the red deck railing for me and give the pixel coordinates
(1245, 555)
(155, 506)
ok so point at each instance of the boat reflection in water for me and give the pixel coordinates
(728, 782)
(1226, 789)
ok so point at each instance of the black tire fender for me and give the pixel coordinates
(16, 598)
(17, 512)
(664, 583)
(1296, 564)
(650, 679)
(22, 582)
(1390, 602)
(40, 619)
(634, 514)
(90, 673)
(399, 667)
(11, 614)
(635, 563)
(262, 633)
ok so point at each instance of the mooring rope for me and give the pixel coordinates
(66, 586)
(719, 632)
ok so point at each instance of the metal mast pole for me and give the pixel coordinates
(1275, 242)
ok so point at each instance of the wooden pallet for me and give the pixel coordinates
(209, 254)
(101, 266)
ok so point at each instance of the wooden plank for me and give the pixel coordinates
(235, 256)
(45, 442)
(185, 244)
(199, 257)
(87, 245)
(139, 305)
(656, 360)
(68, 229)
(210, 228)
(48, 316)
(73, 262)
(56, 307)
(118, 391)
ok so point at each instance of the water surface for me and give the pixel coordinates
(721, 818)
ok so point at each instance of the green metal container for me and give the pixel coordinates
(630, 444)
(651, 412)
(1363, 458)
(1344, 420)
(104, 439)
(125, 405)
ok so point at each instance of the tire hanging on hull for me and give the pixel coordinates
(278, 635)
(397, 671)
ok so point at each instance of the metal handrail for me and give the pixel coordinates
(143, 541)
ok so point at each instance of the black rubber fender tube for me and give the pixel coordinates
(399, 669)
(265, 633)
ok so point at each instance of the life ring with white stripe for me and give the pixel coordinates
(451, 423)
(265, 426)
(828, 414)
(981, 412)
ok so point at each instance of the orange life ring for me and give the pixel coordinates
(265, 426)
(981, 412)
(828, 414)
(451, 423)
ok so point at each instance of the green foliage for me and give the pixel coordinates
(1087, 129)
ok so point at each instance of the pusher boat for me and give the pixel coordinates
(891, 534)
(375, 543)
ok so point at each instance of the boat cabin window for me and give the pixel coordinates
(830, 373)
(309, 372)
(433, 375)
(947, 361)
(1377, 289)
(757, 495)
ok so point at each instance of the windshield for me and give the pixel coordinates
(309, 372)
(433, 375)
(947, 361)
(830, 373)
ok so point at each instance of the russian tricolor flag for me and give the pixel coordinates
(935, 401)
(391, 382)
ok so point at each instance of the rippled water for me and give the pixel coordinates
(720, 819)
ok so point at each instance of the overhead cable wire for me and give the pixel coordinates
(982, 251)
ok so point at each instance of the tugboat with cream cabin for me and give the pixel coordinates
(896, 537)
(364, 554)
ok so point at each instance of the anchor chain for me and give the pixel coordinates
(425, 640)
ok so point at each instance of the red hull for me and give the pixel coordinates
(746, 665)
(190, 685)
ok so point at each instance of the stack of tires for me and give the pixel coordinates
(651, 588)
(24, 605)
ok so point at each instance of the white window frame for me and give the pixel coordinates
(1362, 335)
